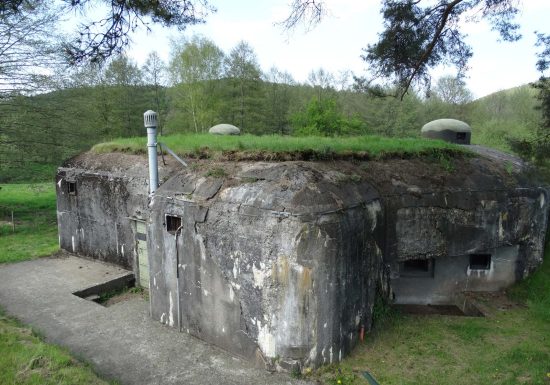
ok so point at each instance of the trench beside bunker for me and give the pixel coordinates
(463, 308)
(101, 292)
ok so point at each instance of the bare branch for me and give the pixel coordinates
(309, 12)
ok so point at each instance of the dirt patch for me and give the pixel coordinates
(446, 310)
(125, 296)
(491, 303)
(474, 304)
(37, 366)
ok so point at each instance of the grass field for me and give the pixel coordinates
(201, 145)
(34, 211)
(25, 359)
(28, 173)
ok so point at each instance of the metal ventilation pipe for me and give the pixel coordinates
(150, 120)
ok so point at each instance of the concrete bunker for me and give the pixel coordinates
(281, 262)
(449, 130)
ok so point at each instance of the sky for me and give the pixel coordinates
(337, 42)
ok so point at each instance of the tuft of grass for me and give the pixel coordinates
(113, 296)
(535, 290)
(26, 360)
(446, 162)
(216, 172)
(313, 147)
(469, 330)
(509, 167)
(34, 212)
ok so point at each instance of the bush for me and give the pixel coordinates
(323, 117)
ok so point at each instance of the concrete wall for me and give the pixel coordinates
(281, 262)
(452, 276)
(95, 221)
(509, 225)
(277, 287)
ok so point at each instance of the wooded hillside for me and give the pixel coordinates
(202, 86)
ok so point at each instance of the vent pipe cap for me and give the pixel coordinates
(150, 119)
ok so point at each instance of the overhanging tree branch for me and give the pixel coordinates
(441, 23)
(310, 12)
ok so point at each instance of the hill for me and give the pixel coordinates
(39, 132)
(504, 115)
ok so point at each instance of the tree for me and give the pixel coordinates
(344, 80)
(109, 35)
(322, 82)
(28, 53)
(195, 67)
(308, 11)
(98, 103)
(452, 90)
(539, 146)
(28, 49)
(542, 137)
(278, 99)
(449, 98)
(123, 93)
(121, 71)
(419, 35)
(244, 72)
(323, 117)
(391, 116)
(154, 71)
(416, 39)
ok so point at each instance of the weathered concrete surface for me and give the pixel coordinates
(280, 262)
(484, 205)
(122, 342)
(111, 192)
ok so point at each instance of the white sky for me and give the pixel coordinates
(336, 44)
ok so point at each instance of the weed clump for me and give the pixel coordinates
(216, 172)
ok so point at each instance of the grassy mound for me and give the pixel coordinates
(273, 147)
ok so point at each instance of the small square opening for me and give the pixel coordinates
(173, 223)
(417, 268)
(71, 188)
(480, 261)
(461, 136)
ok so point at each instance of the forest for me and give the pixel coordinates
(201, 86)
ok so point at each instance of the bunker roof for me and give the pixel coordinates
(224, 129)
(296, 184)
(446, 125)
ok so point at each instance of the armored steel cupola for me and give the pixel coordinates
(449, 130)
